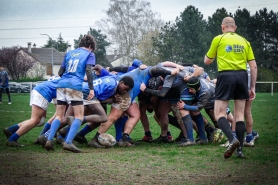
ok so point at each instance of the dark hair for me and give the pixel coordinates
(155, 82)
(128, 81)
(2, 65)
(88, 41)
(194, 83)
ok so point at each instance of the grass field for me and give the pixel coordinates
(143, 164)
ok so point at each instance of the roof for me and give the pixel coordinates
(44, 55)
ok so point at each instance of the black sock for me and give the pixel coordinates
(173, 121)
(148, 134)
(210, 127)
(96, 136)
(225, 127)
(168, 133)
(125, 137)
(240, 130)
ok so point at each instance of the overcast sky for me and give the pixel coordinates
(23, 21)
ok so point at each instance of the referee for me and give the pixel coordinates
(232, 52)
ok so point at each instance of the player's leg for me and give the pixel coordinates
(1, 91)
(198, 119)
(134, 114)
(9, 95)
(39, 106)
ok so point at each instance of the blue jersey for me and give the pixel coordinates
(104, 87)
(74, 64)
(4, 79)
(139, 76)
(48, 89)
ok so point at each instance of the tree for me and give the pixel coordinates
(127, 22)
(101, 45)
(264, 37)
(185, 41)
(214, 22)
(16, 62)
(59, 45)
(146, 50)
(243, 22)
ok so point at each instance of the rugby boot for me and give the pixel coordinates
(71, 147)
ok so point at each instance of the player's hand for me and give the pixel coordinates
(117, 98)
(175, 71)
(142, 87)
(186, 78)
(143, 66)
(107, 68)
(91, 95)
(181, 67)
(180, 105)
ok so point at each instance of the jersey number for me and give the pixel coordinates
(73, 65)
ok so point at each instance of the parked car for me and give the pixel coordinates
(19, 88)
(28, 84)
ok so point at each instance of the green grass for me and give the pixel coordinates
(143, 164)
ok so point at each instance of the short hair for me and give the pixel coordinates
(128, 81)
(88, 41)
(194, 83)
(228, 22)
(155, 82)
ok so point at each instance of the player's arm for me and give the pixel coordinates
(90, 81)
(61, 71)
(158, 71)
(200, 104)
(122, 69)
(160, 93)
(172, 64)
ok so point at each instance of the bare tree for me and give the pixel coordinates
(146, 51)
(127, 22)
(16, 62)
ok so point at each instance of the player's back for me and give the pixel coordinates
(48, 89)
(75, 68)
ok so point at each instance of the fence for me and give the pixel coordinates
(272, 89)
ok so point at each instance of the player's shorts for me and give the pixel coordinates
(125, 103)
(38, 100)
(92, 101)
(232, 85)
(68, 95)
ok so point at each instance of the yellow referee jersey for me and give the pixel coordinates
(232, 51)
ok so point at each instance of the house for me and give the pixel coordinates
(44, 56)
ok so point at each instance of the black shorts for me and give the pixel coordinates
(232, 85)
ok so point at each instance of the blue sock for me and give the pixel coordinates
(84, 120)
(187, 121)
(119, 125)
(14, 137)
(45, 128)
(73, 130)
(13, 128)
(85, 130)
(254, 133)
(249, 137)
(53, 129)
(201, 125)
(234, 134)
